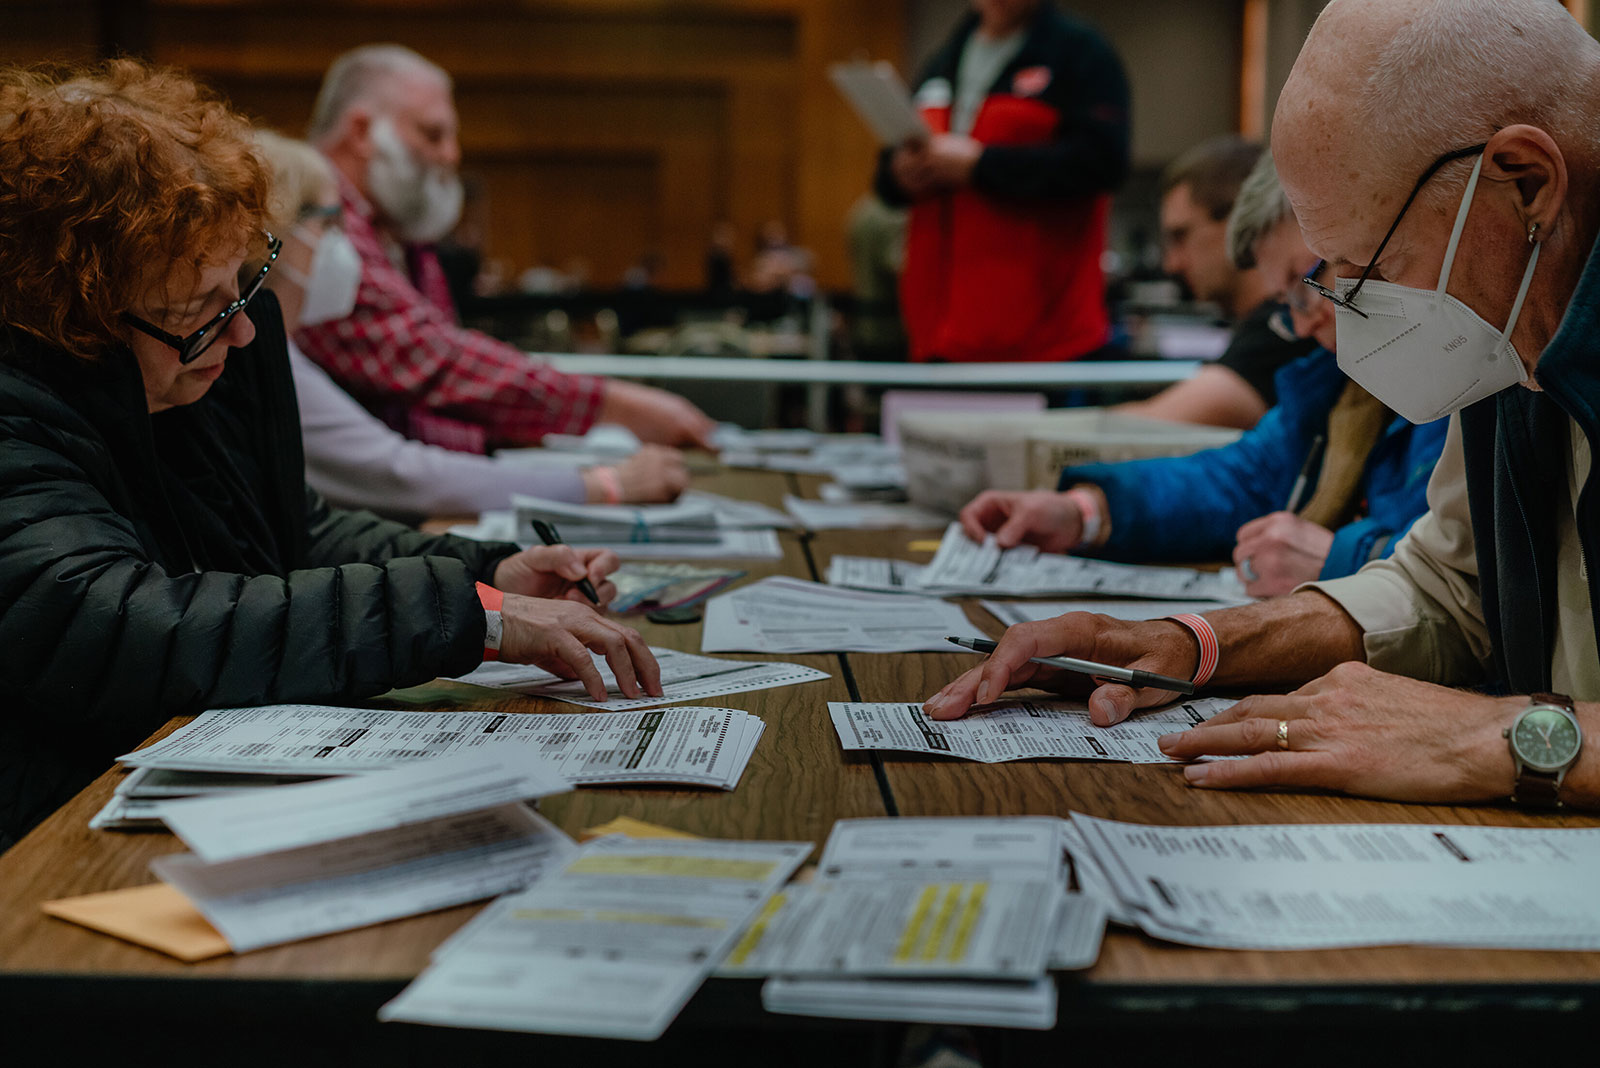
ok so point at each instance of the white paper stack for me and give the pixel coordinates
(1013, 612)
(1318, 886)
(298, 861)
(617, 524)
(964, 567)
(695, 746)
(612, 946)
(729, 543)
(862, 515)
(1018, 730)
(902, 907)
(684, 677)
(881, 100)
(785, 615)
(136, 802)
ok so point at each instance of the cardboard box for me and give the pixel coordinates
(950, 459)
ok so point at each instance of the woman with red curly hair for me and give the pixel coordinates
(159, 550)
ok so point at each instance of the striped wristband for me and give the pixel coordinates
(1210, 649)
(1089, 510)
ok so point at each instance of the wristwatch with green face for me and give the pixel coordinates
(1544, 741)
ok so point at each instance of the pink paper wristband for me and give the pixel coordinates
(1090, 510)
(1210, 648)
(610, 484)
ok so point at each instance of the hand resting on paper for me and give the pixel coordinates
(1161, 646)
(556, 635)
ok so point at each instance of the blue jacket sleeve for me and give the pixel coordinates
(1190, 507)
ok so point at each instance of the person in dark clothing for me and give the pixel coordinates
(1010, 196)
(160, 553)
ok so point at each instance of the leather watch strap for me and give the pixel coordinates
(1560, 700)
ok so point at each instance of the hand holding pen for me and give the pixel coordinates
(559, 571)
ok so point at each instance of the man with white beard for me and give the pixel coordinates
(385, 117)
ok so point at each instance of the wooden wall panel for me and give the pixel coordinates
(711, 109)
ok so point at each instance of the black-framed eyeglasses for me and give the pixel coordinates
(191, 348)
(1348, 300)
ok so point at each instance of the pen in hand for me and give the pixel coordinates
(1132, 676)
(547, 534)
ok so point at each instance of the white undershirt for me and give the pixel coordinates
(982, 60)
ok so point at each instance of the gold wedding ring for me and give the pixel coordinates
(1283, 734)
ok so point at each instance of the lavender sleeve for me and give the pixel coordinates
(356, 461)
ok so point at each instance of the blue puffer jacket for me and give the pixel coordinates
(1190, 507)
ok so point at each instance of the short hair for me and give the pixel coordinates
(299, 174)
(1213, 170)
(358, 77)
(1258, 209)
(106, 174)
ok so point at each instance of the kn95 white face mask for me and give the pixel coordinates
(1424, 353)
(335, 277)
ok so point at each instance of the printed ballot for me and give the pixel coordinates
(613, 945)
(684, 677)
(1311, 886)
(1013, 612)
(697, 746)
(1030, 1005)
(963, 566)
(299, 861)
(862, 515)
(1018, 730)
(727, 544)
(881, 99)
(784, 615)
(695, 517)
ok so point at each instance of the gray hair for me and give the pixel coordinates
(1458, 70)
(1260, 206)
(362, 76)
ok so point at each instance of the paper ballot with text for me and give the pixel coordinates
(692, 746)
(1013, 612)
(881, 99)
(684, 677)
(785, 615)
(729, 543)
(1018, 730)
(1311, 886)
(306, 860)
(962, 566)
(613, 945)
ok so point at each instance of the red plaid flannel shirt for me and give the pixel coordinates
(402, 354)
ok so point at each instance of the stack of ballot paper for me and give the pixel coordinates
(684, 677)
(617, 524)
(947, 920)
(862, 515)
(612, 945)
(962, 566)
(651, 587)
(694, 746)
(1013, 612)
(729, 543)
(1317, 886)
(136, 802)
(299, 861)
(1018, 730)
(785, 615)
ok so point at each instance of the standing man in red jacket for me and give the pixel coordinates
(1010, 196)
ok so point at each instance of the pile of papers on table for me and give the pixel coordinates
(858, 463)
(612, 944)
(939, 920)
(1017, 730)
(697, 526)
(299, 861)
(1312, 886)
(785, 615)
(684, 677)
(862, 515)
(694, 746)
(962, 567)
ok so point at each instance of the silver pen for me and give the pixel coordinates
(1132, 676)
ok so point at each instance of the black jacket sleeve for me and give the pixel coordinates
(1090, 152)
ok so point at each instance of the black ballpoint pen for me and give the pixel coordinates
(1132, 676)
(548, 534)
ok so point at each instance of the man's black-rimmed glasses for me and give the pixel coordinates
(191, 348)
(1348, 300)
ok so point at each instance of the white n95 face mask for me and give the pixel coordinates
(1425, 354)
(330, 288)
(423, 202)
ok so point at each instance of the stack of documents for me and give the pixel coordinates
(1312, 887)
(617, 524)
(881, 100)
(684, 677)
(785, 615)
(901, 907)
(300, 861)
(137, 800)
(653, 587)
(862, 515)
(696, 526)
(613, 945)
(696, 746)
(1013, 612)
(1018, 730)
(962, 567)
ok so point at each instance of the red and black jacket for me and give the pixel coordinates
(1009, 267)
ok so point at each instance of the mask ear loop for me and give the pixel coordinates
(1455, 233)
(1516, 308)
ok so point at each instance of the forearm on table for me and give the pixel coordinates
(1283, 642)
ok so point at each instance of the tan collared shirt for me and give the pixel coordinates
(1421, 611)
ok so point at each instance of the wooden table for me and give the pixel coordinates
(1144, 1002)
